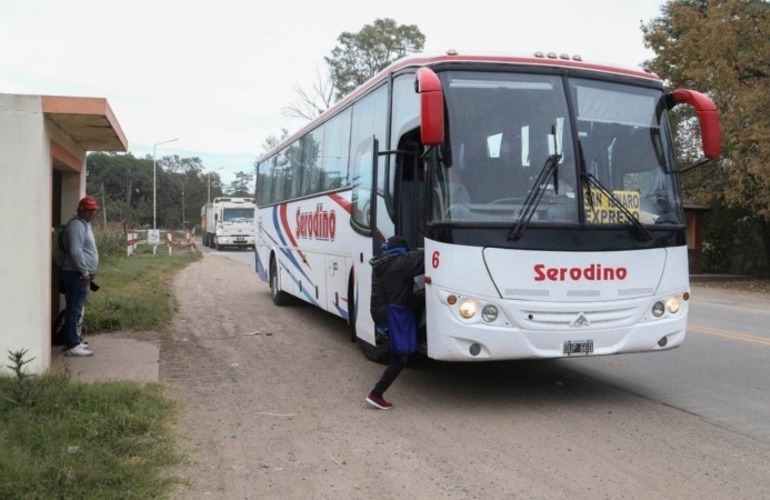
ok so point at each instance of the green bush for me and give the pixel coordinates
(110, 239)
(732, 242)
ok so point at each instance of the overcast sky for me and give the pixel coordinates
(217, 75)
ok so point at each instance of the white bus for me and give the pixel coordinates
(543, 189)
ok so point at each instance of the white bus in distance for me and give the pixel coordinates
(544, 191)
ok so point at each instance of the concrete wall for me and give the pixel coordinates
(27, 294)
(25, 224)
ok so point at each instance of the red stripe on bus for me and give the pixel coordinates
(342, 202)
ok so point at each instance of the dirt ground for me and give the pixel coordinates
(275, 409)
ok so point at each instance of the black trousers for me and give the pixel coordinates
(397, 363)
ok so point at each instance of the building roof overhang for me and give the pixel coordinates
(88, 120)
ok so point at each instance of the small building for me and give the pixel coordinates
(43, 145)
(693, 218)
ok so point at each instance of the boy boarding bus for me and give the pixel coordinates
(543, 189)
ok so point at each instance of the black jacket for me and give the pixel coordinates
(393, 281)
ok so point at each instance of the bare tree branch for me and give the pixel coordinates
(310, 104)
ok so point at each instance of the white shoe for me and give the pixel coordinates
(79, 351)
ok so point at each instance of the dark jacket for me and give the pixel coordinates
(393, 276)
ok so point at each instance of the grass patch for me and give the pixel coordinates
(135, 292)
(61, 438)
(67, 439)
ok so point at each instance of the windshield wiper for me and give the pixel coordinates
(641, 232)
(535, 195)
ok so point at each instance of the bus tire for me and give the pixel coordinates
(280, 298)
(352, 309)
(379, 353)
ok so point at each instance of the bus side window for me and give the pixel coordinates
(332, 180)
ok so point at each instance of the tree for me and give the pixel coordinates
(241, 186)
(122, 183)
(356, 58)
(360, 56)
(310, 104)
(722, 48)
(183, 176)
(214, 185)
(124, 186)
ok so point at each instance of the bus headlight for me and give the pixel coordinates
(468, 308)
(672, 304)
(489, 313)
(658, 309)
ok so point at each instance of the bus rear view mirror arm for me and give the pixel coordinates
(706, 111)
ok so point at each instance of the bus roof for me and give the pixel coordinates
(542, 59)
(550, 59)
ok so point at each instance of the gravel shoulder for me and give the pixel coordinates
(274, 408)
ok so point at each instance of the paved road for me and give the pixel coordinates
(721, 372)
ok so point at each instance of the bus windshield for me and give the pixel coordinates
(506, 128)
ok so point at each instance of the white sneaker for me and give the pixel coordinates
(79, 351)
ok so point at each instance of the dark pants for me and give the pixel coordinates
(75, 291)
(397, 363)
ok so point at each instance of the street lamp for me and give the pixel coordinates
(155, 182)
(209, 174)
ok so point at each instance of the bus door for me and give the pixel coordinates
(409, 193)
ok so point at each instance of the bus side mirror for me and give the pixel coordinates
(706, 111)
(428, 85)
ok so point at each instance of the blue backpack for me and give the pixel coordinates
(402, 329)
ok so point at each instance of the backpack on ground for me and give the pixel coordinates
(57, 329)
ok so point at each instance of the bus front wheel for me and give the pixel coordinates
(379, 352)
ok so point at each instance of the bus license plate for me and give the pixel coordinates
(578, 347)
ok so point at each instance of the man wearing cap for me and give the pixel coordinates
(78, 271)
